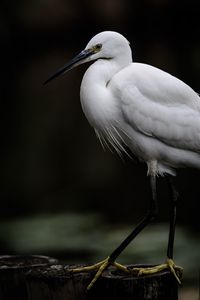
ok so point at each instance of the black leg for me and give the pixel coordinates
(173, 200)
(150, 216)
(176, 270)
(147, 219)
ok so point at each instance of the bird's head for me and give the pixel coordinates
(105, 45)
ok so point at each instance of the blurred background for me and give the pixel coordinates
(61, 194)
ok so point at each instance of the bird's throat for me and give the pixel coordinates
(97, 101)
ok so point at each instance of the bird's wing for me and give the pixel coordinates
(160, 105)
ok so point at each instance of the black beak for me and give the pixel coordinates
(77, 60)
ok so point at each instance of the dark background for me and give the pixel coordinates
(51, 161)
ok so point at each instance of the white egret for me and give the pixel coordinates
(138, 106)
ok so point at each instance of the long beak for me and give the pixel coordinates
(77, 60)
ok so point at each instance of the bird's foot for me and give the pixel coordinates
(175, 270)
(100, 267)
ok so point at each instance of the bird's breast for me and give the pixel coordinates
(98, 104)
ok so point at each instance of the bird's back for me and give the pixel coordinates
(162, 114)
(158, 85)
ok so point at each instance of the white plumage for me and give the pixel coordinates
(152, 112)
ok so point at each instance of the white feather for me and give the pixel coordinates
(136, 105)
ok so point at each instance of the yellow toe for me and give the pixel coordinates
(175, 270)
(100, 267)
(103, 266)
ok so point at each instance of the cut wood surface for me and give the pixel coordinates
(13, 270)
(58, 283)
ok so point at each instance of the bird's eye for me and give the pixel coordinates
(98, 46)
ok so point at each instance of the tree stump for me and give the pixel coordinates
(13, 271)
(58, 283)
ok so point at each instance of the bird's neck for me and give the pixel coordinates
(96, 99)
(102, 71)
(105, 69)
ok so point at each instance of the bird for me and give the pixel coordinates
(142, 108)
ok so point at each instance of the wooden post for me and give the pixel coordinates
(57, 283)
(12, 274)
